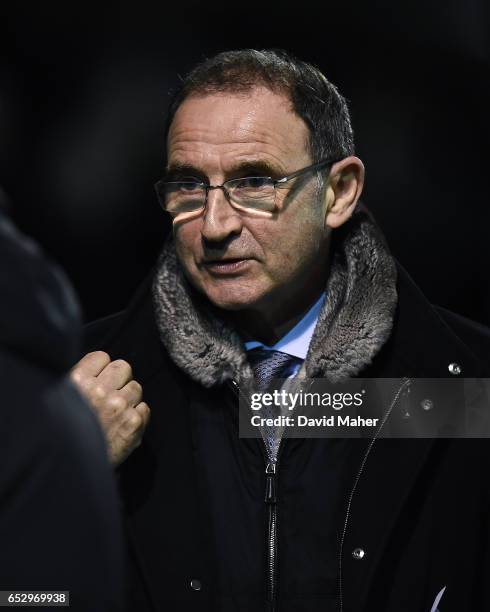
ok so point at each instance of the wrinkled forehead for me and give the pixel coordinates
(227, 124)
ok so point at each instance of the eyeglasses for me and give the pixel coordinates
(250, 193)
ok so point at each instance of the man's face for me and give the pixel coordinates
(241, 259)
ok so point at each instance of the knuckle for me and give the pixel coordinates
(99, 392)
(76, 377)
(98, 355)
(116, 402)
(136, 387)
(134, 419)
(122, 365)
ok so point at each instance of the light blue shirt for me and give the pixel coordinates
(297, 341)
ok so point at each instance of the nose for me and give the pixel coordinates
(220, 220)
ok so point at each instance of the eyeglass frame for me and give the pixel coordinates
(275, 182)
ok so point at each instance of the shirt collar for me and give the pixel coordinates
(297, 341)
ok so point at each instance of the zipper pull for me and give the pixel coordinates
(270, 484)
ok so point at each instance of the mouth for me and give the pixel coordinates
(226, 266)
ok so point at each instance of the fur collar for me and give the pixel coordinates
(355, 321)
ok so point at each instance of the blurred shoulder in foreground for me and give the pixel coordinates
(60, 526)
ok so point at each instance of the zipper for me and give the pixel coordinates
(405, 385)
(270, 499)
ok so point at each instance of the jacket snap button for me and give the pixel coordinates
(358, 553)
(454, 368)
(427, 404)
(196, 584)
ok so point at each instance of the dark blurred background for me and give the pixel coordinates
(83, 93)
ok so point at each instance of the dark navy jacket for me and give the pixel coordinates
(194, 492)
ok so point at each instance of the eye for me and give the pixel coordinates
(183, 187)
(189, 186)
(178, 190)
(252, 182)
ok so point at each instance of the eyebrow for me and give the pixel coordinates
(254, 167)
(179, 171)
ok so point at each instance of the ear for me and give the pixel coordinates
(344, 187)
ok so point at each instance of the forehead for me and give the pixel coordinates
(221, 128)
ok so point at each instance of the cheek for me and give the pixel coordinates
(187, 239)
(292, 247)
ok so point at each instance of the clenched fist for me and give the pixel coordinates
(116, 399)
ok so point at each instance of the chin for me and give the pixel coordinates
(228, 303)
(232, 299)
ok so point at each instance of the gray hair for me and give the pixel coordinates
(315, 99)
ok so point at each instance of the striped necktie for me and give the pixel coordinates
(267, 365)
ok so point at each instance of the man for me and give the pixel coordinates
(60, 523)
(271, 250)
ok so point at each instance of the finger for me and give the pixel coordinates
(115, 375)
(132, 425)
(132, 392)
(86, 385)
(144, 410)
(91, 364)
